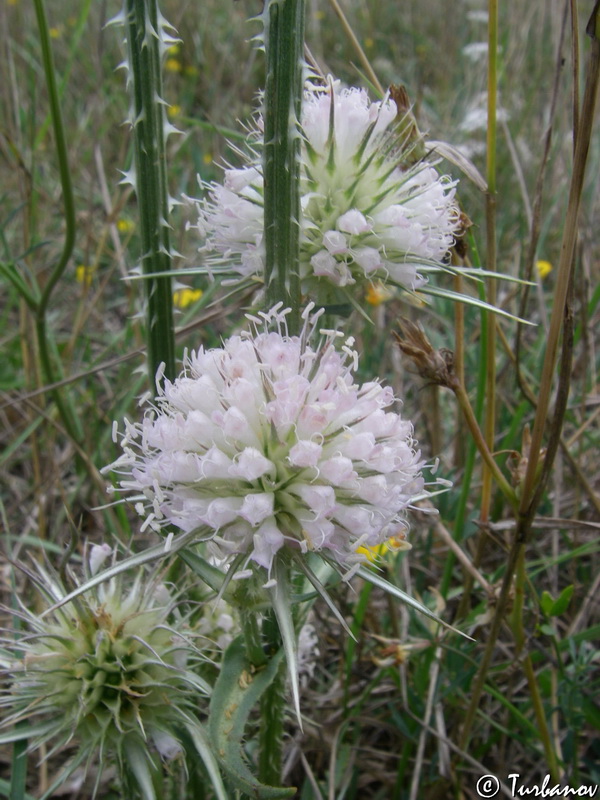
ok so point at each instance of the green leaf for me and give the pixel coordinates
(316, 582)
(554, 608)
(592, 714)
(155, 553)
(457, 297)
(202, 745)
(546, 602)
(371, 576)
(280, 597)
(562, 601)
(211, 576)
(236, 692)
(5, 791)
(30, 732)
(138, 760)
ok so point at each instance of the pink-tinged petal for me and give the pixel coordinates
(268, 540)
(354, 222)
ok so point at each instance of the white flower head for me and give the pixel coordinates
(366, 214)
(268, 443)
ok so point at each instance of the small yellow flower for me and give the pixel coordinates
(55, 33)
(377, 294)
(12, 2)
(394, 545)
(173, 50)
(125, 225)
(191, 71)
(369, 43)
(207, 158)
(319, 15)
(84, 275)
(544, 268)
(183, 298)
(173, 111)
(173, 65)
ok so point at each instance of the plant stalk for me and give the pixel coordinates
(284, 45)
(145, 39)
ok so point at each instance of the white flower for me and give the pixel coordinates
(268, 443)
(366, 214)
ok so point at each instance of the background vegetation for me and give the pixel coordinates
(384, 715)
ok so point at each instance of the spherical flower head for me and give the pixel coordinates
(268, 444)
(105, 671)
(367, 214)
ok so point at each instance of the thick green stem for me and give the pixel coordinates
(145, 38)
(284, 46)
(272, 711)
(284, 42)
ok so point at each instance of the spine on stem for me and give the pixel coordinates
(147, 39)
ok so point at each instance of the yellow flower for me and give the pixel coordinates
(84, 275)
(173, 111)
(125, 225)
(207, 158)
(183, 298)
(369, 42)
(394, 544)
(173, 65)
(191, 71)
(55, 33)
(319, 15)
(377, 294)
(173, 50)
(544, 268)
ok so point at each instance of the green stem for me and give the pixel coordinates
(145, 34)
(68, 416)
(284, 42)
(272, 712)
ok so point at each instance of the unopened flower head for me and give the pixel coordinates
(269, 443)
(105, 671)
(367, 214)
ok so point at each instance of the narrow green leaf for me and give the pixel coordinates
(138, 761)
(18, 777)
(457, 297)
(202, 745)
(280, 597)
(5, 791)
(320, 588)
(31, 732)
(155, 553)
(371, 576)
(211, 576)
